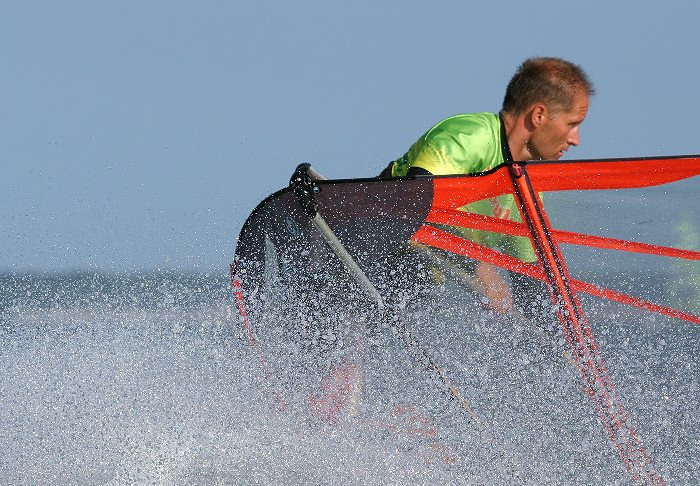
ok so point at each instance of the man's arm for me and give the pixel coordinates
(497, 291)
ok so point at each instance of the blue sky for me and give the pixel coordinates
(140, 135)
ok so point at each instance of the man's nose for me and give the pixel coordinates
(573, 137)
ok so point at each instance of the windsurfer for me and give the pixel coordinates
(545, 103)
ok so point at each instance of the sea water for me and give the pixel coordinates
(149, 379)
(145, 379)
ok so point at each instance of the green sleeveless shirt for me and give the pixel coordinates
(469, 144)
(460, 144)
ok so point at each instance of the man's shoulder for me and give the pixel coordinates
(466, 124)
(464, 144)
(460, 144)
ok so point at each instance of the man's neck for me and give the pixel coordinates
(518, 136)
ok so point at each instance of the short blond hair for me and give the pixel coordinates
(549, 80)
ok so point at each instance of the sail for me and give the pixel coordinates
(543, 221)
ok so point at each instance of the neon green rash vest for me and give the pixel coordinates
(469, 144)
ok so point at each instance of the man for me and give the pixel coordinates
(545, 103)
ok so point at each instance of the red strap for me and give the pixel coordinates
(497, 225)
(455, 192)
(443, 240)
(611, 174)
(438, 238)
(633, 301)
(267, 370)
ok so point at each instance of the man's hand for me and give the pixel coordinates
(497, 291)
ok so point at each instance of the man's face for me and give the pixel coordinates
(558, 130)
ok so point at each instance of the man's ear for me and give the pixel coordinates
(538, 114)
